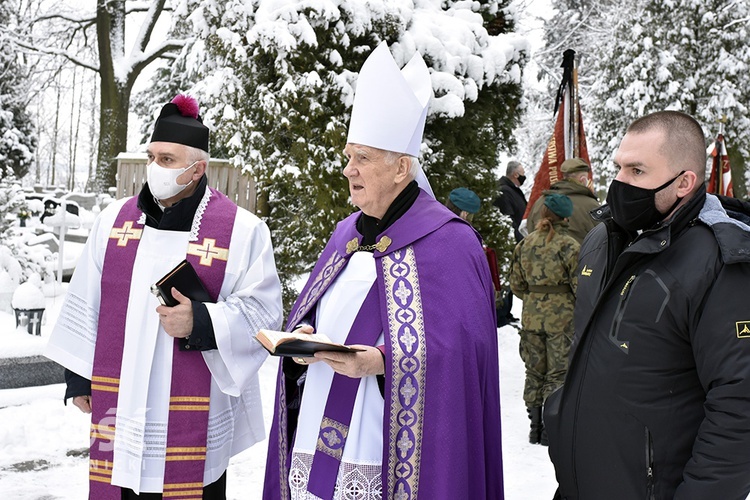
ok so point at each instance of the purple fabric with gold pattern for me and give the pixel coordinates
(441, 425)
(191, 379)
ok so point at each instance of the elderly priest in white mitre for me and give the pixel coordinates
(173, 392)
(416, 412)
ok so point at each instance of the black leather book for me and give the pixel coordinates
(184, 278)
(302, 345)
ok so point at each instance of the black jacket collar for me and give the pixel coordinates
(505, 181)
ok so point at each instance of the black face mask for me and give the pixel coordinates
(634, 208)
(521, 179)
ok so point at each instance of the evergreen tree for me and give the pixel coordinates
(170, 77)
(649, 55)
(17, 135)
(278, 83)
(687, 55)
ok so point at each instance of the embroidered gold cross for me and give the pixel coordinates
(208, 251)
(125, 233)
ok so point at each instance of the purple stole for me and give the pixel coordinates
(191, 380)
(337, 415)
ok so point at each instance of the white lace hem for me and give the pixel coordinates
(354, 482)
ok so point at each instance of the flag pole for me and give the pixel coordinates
(720, 188)
(567, 122)
(576, 149)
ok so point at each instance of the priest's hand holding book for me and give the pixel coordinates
(177, 320)
(176, 309)
(354, 361)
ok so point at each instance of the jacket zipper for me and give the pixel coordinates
(584, 352)
(649, 466)
(623, 345)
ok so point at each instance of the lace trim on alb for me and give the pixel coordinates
(195, 229)
(354, 481)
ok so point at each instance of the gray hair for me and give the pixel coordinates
(197, 154)
(512, 167)
(391, 158)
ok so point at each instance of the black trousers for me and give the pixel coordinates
(214, 491)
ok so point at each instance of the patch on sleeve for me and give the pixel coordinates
(743, 329)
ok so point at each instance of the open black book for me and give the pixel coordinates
(184, 278)
(298, 345)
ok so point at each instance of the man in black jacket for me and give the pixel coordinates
(511, 200)
(656, 403)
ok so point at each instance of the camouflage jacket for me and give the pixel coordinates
(543, 275)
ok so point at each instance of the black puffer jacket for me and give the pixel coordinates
(656, 403)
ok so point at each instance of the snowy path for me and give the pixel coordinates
(37, 432)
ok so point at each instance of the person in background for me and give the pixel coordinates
(657, 396)
(465, 203)
(173, 392)
(575, 184)
(416, 412)
(542, 274)
(512, 202)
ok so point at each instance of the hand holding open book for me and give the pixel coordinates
(302, 345)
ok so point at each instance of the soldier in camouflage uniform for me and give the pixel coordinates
(543, 275)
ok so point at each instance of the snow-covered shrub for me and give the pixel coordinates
(17, 258)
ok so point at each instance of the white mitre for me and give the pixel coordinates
(390, 106)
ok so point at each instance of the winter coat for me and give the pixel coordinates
(584, 201)
(512, 203)
(656, 403)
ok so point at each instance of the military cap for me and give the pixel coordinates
(559, 204)
(465, 199)
(574, 165)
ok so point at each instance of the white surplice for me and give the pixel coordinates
(250, 299)
(360, 468)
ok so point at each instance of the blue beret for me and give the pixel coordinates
(560, 204)
(465, 199)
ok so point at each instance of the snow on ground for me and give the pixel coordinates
(41, 440)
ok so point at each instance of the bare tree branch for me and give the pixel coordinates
(147, 28)
(57, 52)
(163, 51)
(63, 17)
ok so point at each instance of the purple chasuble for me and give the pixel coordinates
(191, 380)
(441, 424)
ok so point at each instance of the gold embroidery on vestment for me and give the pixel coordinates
(208, 251)
(125, 233)
(408, 365)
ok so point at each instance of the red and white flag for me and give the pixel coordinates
(720, 181)
(568, 139)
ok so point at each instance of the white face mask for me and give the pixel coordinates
(163, 181)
